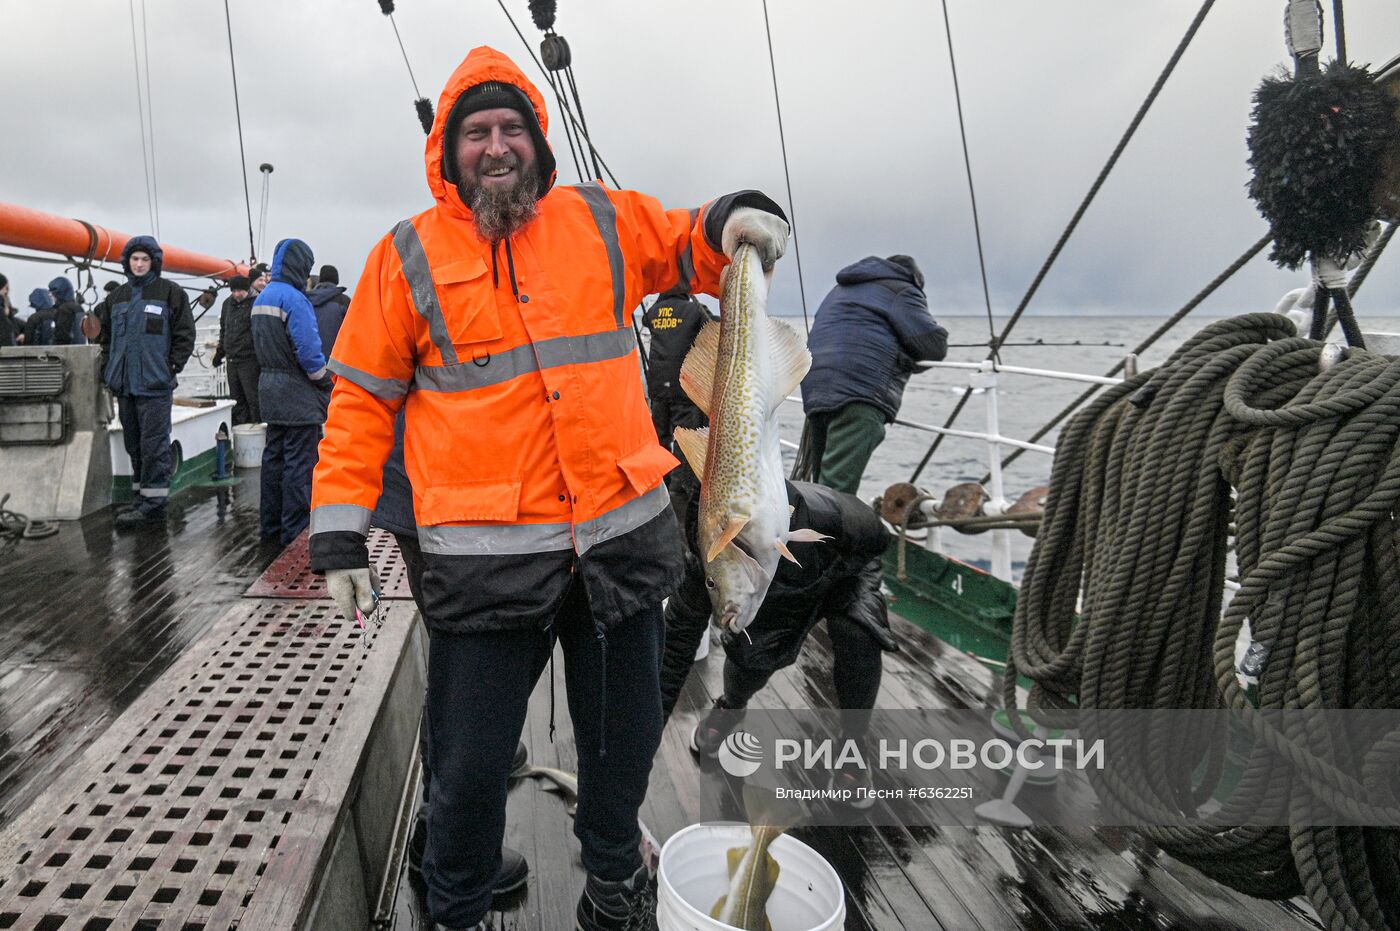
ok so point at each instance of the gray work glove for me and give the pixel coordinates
(352, 589)
(766, 232)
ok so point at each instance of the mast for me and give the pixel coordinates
(82, 241)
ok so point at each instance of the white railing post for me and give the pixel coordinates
(986, 379)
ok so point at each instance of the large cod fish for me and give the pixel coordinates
(738, 372)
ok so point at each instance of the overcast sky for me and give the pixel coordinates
(680, 103)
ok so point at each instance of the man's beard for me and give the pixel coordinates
(500, 211)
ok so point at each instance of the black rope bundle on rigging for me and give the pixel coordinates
(1315, 149)
(421, 105)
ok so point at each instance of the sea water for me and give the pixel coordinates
(1025, 403)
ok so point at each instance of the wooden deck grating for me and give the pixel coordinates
(174, 814)
(290, 574)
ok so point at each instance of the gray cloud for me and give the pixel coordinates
(679, 102)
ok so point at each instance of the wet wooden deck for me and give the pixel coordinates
(916, 878)
(93, 618)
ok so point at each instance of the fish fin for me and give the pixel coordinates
(733, 857)
(774, 870)
(698, 369)
(694, 444)
(791, 360)
(719, 907)
(787, 553)
(727, 535)
(805, 536)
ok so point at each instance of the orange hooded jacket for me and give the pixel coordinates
(527, 427)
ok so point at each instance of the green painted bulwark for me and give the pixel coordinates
(964, 606)
(196, 471)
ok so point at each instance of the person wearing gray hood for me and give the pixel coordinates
(147, 336)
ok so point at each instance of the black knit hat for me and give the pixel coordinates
(329, 275)
(239, 283)
(491, 95)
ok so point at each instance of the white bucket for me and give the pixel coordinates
(694, 873)
(248, 439)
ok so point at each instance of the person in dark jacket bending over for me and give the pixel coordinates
(292, 387)
(673, 322)
(236, 348)
(147, 335)
(837, 579)
(868, 335)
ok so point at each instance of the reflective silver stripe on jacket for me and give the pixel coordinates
(531, 357)
(329, 518)
(521, 539)
(389, 389)
(621, 520)
(420, 285)
(605, 216)
(495, 540)
(269, 310)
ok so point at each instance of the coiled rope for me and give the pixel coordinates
(1238, 431)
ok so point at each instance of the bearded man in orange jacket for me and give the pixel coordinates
(500, 320)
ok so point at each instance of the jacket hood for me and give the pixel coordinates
(324, 294)
(148, 245)
(291, 263)
(482, 64)
(40, 299)
(874, 268)
(62, 289)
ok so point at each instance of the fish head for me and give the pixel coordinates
(737, 584)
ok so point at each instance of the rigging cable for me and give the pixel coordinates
(787, 176)
(1078, 215)
(243, 159)
(971, 191)
(141, 111)
(150, 120)
(564, 104)
(1339, 31)
(1142, 347)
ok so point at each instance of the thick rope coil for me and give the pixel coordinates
(1238, 435)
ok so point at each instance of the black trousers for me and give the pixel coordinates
(146, 435)
(243, 388)
(855, 669)
(479, 687)
(289, 459)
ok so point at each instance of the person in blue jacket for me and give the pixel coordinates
(67, 314)
(146, 335)
(38, 327)
(292, 388)
(869, 334)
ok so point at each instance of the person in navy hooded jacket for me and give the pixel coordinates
(147, 335)
(869, 335)
(67, 314)
(292, 388)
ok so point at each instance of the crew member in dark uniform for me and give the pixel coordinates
(837, 579)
